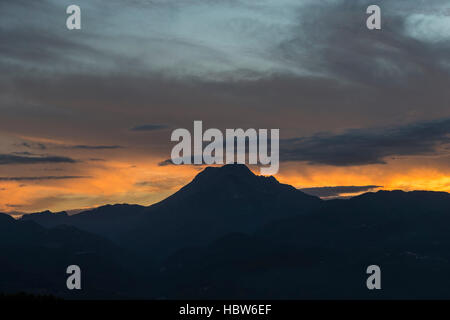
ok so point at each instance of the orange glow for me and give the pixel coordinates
(144, 182)
(398, 174)
(111, 182)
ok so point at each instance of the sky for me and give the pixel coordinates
(86, 115)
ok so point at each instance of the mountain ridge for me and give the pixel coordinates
(243, 236)
(205, 178)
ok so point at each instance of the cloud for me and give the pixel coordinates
(162, 184)
(32, 145)
(329, 192)
(365, 146)
(100, 147)
(167, 162)
(6, 159)
(368, 146)
(431, 26)
(13, 205)
(149, 127)
(25, 153)
(234, 40)
(39, 178)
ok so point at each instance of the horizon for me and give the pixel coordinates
(324, 193)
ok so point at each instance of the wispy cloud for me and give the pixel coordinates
(162, 184)
(13, 205)
(32, 145)
(149, 127)
(91, 147)
(167, 162)
(42, 178)
(6, 159)
(336, 191)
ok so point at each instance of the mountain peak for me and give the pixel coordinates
(228, 169)
(46, 213)
(225, 177)
(232, 181)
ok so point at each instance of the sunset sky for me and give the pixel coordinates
(86, 115)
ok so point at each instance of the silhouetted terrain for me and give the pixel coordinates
(232, 234)
(34, 259)
(218, 201)
(325, 254)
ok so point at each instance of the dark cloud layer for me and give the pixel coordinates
(25, 153)
(39, 178)
(327, 192)
(6, 159)
(368, 146)
(13, 205)
(88, 147)
(149, 127)
(167, 162)
(33, 145)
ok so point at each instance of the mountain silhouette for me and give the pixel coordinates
(34, 259)
(219, 200)
(46, 218)
(232, 234)
(325, 254)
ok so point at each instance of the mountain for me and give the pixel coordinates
(106, 220)
(34, 259)
(325, 254)
(235, 235)
(46, 218)
(219, 200)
